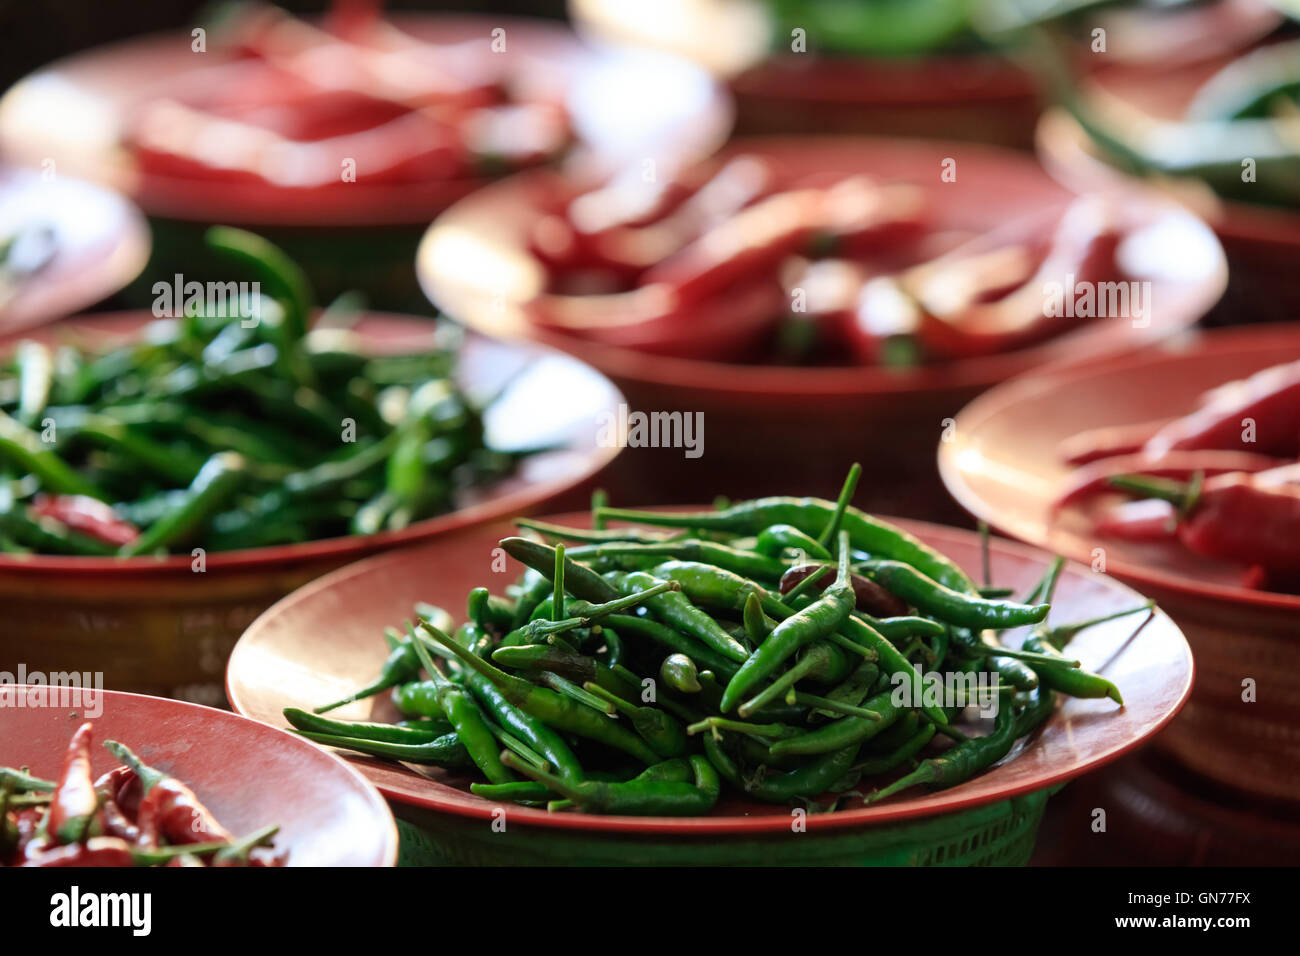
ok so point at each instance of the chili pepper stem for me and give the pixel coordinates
(147, 774)
(558, 784)
(846, 495)
(368, 691)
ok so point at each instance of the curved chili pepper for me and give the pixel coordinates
(548, 706)
(85, 515)
(169, 807)
(1254, 519)
(74, 804)
(1270, 398)
(676, 610)
(820, 619)
(822, 662)
(1111, 441)
(637, 796)
(845, 732)
(1095, 478)
(959, 609)
(96, 851)
(871, 597)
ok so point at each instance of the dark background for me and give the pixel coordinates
(37, 31)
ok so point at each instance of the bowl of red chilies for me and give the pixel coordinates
(1175, 470)
(882, 281)
(173, 784)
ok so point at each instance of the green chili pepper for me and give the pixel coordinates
(679, 672)
(214, 485)
(400, 667)
(546, 705)
(958, 608)
(472, 728)
(445, 751)
(579, 581)
(811, 516)
(845, 732)
(365, 730)
(963, 761)
(676, 610)
(659, 730)
(820, 661)
(776, 539)
(636, 797)
(807, 781)
(820, 619)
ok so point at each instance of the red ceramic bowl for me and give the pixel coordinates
(99, 242)
(153, 625)
(972, 96)
(73, 111)
(978, 97)
(327, 638)
(249, 775)
(1261, 242)
(1002, 466)
(474, 264)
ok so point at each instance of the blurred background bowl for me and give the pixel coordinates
(154, 625)
(624, 106)
(771, 428)
(249, 775)
(71, 245)
(1002, 466)
(1262, 242)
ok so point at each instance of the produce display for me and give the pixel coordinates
(777, 648)
(744, 262)
(289, 100)
(917, 27)
(1223, 481)
(133, 815)
(231, 428)
(1237, 134)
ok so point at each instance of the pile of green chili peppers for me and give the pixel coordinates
(232, 431)
(638, 672)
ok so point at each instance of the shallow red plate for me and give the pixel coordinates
(249, 775)
(1002, 464)
(1069, 154)
(544, 400)
(624, 105)
(326, 638)
(475, 265)
(100, 243)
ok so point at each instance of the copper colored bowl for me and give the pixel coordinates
(158, 626)
(1002, 466)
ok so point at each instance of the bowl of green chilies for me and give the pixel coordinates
(737, 685)
(166, 479)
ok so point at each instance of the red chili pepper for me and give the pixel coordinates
(1270, 399)
(984, 320)
(1144, 521)
(630, 250)
(74, 803)
(97, 851)
(114, 817)
(89, 516)
(1088, 446)
(864, 218)
(648, 319)
(169, 808)
(752, 243)
(1254, 519)
(1094, 478)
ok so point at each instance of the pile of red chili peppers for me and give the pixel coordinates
(1224, 480)
(743, 262)
(290, 98)
(133, 815)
